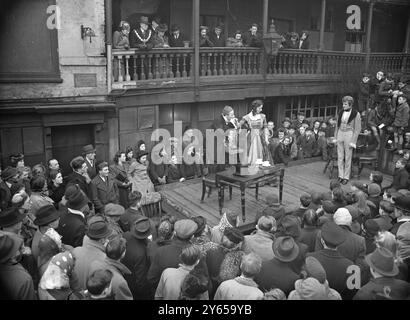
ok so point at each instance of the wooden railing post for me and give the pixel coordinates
(369, 34)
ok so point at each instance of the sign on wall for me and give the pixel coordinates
(353, 21)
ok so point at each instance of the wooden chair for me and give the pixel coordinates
(209, 182)
(152, 209)
(367, 160)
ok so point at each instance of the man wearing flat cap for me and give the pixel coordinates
(168, 256)
(103, 187)
(401, 212)
(113, 213)
(335, 265)
(15, 282)
(383, 285)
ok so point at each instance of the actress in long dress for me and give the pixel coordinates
(255, 122)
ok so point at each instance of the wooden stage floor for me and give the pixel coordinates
(184, 198)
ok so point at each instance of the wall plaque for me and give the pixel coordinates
(85, 80)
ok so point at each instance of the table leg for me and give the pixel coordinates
(243, 203)
(221, 198)
(256, 191)
(281, 187)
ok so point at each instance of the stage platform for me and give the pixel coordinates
(183, 199)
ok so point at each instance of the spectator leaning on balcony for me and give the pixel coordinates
(253, 38)
(204, 40)
(292, 42)
(236, 41)
(347, 132)
(304, 41)
(176, 38)
(160, 40)
(141, 38)
(216, 36)
(120, 37)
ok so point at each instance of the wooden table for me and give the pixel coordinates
(229, 179)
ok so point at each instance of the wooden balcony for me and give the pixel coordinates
(171, 67)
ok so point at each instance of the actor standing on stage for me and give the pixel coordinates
(347, 132)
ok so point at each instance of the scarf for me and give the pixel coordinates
(224, 223)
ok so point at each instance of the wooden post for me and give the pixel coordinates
(321, 35)
(195, 22)
(406, 48)
(108, 41)
(369, 34)
(265, 15)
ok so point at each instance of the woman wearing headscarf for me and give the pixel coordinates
(229, 220)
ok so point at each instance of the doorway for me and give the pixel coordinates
(67, 142)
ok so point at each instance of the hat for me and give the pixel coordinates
(373, 190)
(204, 28)
(234, 235)
(402, 203)
(143, 19)
(291, 226)
(75, 197)
(194, 285)
(11, 216)
(46, 214)
(112, 209)
(371, 227)
(98, 228)
(315, 269)
(285, 249)
(342, 217)
(332, 234)
(201, 222)
(9, 244)
(141, 228)
(219, 26)
(185, 228)
(272, 200)
(267, 223)
(328, 207)
(310, 289)
(382, 261)
(89, 148)
(8, 173)
(140, 153)
(231, 216)
(162, 27)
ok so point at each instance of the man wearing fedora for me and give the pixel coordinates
(278, 272)
(46, 217)
(89, 157)
(141, 38)
(115, 252)
(113, 213)
(93, 249)
(216, 36)
(15, 282)
(72, 222)
(383, 285)
(177, 38)
(7, 181)
(401, 212)
(168, 256)
(136, 257)
(335, 265)
(103, 187)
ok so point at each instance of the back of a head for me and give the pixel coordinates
(274, 294)
(385, 239)
(267, 223)
(116, 247)
(37, 183)
(134, 197)
(305, 199)
(338, 194)
(251, 265)
(386, 206)
(77, 163)
(98, 281)
(334, 184)
(190, 255)
(310, 218)
(377, 177)
(234, 235)
(316, 198)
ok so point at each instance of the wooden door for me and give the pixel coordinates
(68, 141)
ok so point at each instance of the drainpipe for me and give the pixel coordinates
(108, 41)
(369, 34)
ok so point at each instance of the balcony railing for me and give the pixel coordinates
(161, 66)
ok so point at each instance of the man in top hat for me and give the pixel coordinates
(176, 39)
(103, 187)
(93, 249)
(346, 133)
(7, 181)
(204, 40)
(253, 38)
(217, 37)
(401, 212)
(89, 157)
(72, 222)
(383, 285)
(335, 265)
(168, 256)
(46, 217)
(115, 252)
(141, 38)
(278, 272)
(15, 282)
(136, 257)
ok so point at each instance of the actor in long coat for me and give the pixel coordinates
(347, 132)
(103, 192)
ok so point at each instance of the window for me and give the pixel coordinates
(329, 21)
(29, 49)
(211, 21)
